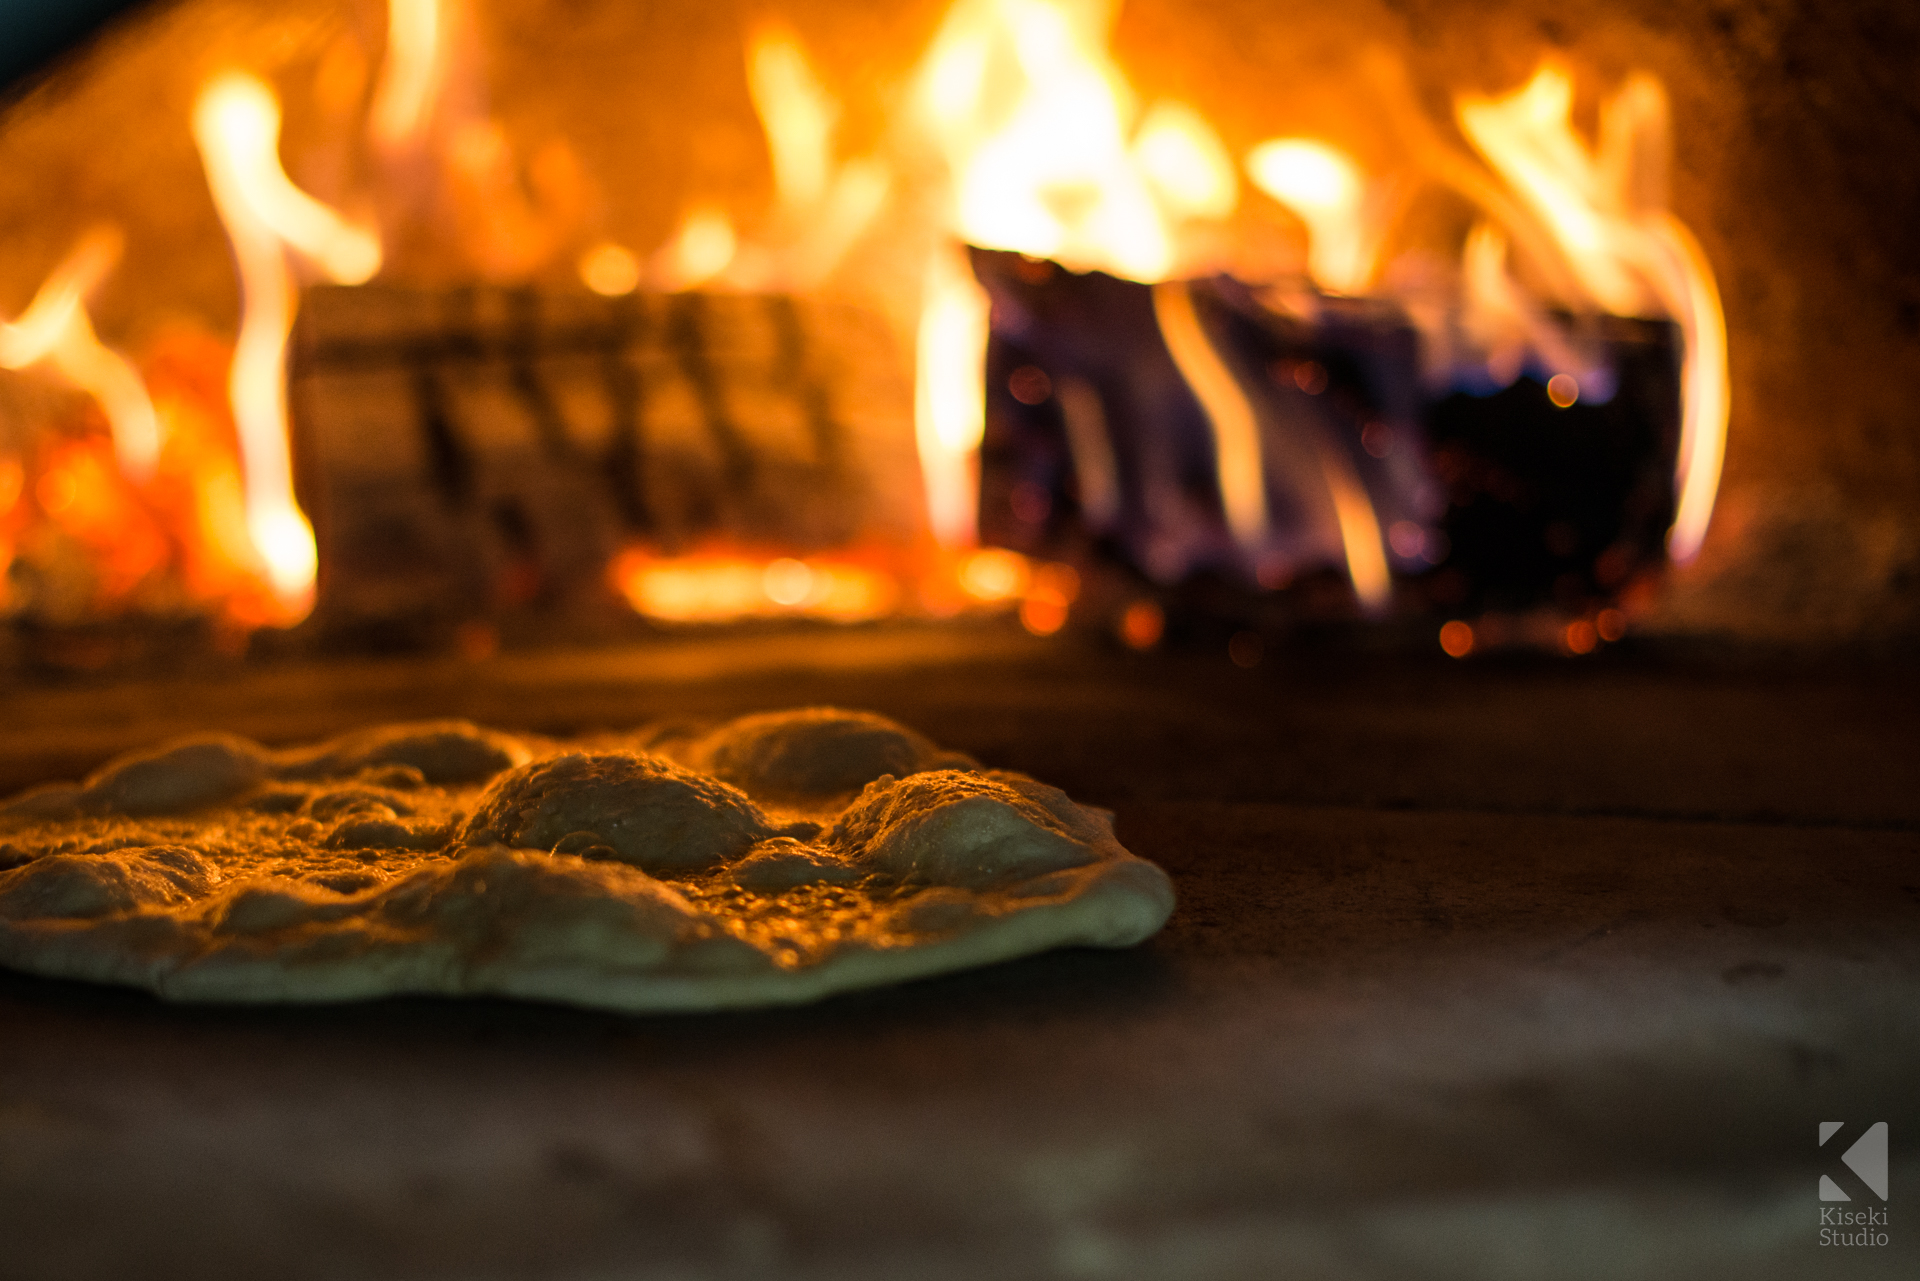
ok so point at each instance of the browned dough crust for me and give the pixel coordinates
(772, 859)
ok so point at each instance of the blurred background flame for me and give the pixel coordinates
(1017, 129)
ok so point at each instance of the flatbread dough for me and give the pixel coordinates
(769, 860)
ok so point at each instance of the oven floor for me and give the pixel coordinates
(1505, 969)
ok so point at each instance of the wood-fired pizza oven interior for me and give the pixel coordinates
(611, 313)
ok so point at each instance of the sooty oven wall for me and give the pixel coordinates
(1796, 125)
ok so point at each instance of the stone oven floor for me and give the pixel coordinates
(1505, 969)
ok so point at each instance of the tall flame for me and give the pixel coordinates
(55, 328)
(410, 77)
(1605, 211)
(1038, 128)
(1236, 432)
(236, 123)
(823, 206)
(1360, 537)
(1528, 138)
(1236, 440)
(949, 394)
(797, 113)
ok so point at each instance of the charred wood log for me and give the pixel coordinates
(1098, 451)
(480, 451)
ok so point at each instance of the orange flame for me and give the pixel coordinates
(199, 484)
(1184, 160)
(410, 77)
(55, 328)
(445, 158)
(1035, 120)
(237, 126)
(1325, 190)
(1048, 154)
(797, 113)
(949, 395)
(102, 542)
(1528, 138)
(1236, 432)
(823, 207)
(1242, 476)
(1605, 211)
(1501, 316)
(1037, 126)
(82, 493)
(1360, 537)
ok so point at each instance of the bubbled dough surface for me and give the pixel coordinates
(771, 859)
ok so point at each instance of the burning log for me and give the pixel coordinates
(479, 451)
(1555, 495)
(1105, 439)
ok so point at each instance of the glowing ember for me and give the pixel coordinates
(699, 251)
(1142, 625)
(720, 588)
(610, 270)
(1043, 615)
(994, 574)
(1579, 637)
(1049, 596)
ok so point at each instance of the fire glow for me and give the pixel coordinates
(237, 124)
(1605, 211)
(723, 586)
(1039, 144)
(55, 329)
(1060, 170)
